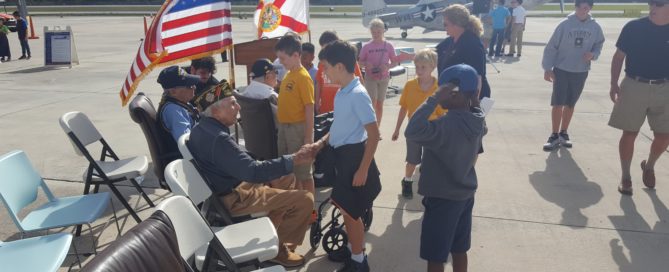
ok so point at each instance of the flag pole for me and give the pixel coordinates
(231, 60)
(308, 19)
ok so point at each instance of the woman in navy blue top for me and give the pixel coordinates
(463, 44)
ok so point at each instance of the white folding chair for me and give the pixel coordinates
(195, 236)
(249, 242)
(82, 133)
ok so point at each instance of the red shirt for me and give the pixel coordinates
(328, 89)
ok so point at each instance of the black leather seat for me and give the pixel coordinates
(150, 246)
(143, 113)
(259, 128)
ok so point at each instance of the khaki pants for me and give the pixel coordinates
(290, 211)
(517, 38)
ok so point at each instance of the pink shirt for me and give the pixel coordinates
(374, 54)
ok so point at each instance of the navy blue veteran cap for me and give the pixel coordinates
(461, 75)
(261, 67)
(213, 95)
(174, 76)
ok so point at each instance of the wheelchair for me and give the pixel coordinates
(329, 234)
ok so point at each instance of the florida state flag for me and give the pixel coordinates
(274, 18)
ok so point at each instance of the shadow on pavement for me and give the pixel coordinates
(564, 184)
(646, 247)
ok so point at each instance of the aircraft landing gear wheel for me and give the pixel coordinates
(334, 239)
(404, 34)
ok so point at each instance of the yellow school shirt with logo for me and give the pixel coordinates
(412, 97)
(296, 91)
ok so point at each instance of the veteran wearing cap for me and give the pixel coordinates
(239, 180)
(643, 46)
(175, 115)
(263, 81)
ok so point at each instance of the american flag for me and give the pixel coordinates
(182, 30)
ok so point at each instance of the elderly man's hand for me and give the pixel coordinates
(306, 154)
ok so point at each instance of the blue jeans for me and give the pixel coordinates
(25, 48)
(497, 39)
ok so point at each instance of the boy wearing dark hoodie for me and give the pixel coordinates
(576, 42)
(448, 179)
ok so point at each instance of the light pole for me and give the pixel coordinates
(23, 9)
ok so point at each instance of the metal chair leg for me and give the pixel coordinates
(124, 203)
(141, 192)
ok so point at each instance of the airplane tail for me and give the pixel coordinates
(372, 9)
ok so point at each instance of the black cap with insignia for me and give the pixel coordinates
(213, 95)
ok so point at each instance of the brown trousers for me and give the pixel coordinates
(289, 210)
(517, 38)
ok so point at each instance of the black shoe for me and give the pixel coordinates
(509, 55)
(407, 190)
(22, 57)
(564, 139)
(498, 55)
(28, 58)
(552, 143)
(518, 55)
(340, 256)
(353, 266)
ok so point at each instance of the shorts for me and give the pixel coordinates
(567, 87)
(640, 100)
(447, 228)
(290, 140)
(376, 89)
(353, 200)
(414, 152)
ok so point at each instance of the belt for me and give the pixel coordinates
(649, 81)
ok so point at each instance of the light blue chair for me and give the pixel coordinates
(43, 253)
(19, 183)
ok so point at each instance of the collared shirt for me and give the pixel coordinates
(177, 120)
(259, 90)
(223, 162)
(353, 110)
(499, 16)
(519, 14)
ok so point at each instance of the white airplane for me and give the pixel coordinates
(425, 14)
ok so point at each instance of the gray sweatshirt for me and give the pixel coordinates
(570, 41)
(450, 145)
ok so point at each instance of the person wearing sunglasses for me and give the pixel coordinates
(175, 115)
(643, 46)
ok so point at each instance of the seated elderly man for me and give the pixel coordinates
(263, 81)
(175, 115)
(239, 181)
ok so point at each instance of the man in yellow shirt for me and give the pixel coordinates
(295, 111)
(415, 92)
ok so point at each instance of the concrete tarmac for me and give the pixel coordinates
(535, 210)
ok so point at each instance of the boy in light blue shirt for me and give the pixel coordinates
(500, 17)
(354, 136)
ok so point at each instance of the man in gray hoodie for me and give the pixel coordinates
(576, 42)
(448, 179)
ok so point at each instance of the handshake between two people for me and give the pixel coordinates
(308, 152)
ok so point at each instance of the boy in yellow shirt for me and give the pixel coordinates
(415, 92)
(295, 111)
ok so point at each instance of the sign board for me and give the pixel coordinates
(59, 47)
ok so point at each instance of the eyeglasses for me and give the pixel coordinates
(656, 3)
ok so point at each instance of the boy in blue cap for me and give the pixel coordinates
(448, 179)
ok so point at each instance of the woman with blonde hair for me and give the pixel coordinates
(463, 44)
(377, 57)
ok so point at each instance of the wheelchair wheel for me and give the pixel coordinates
(367, 219)
(315, 234)
(334, 239)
